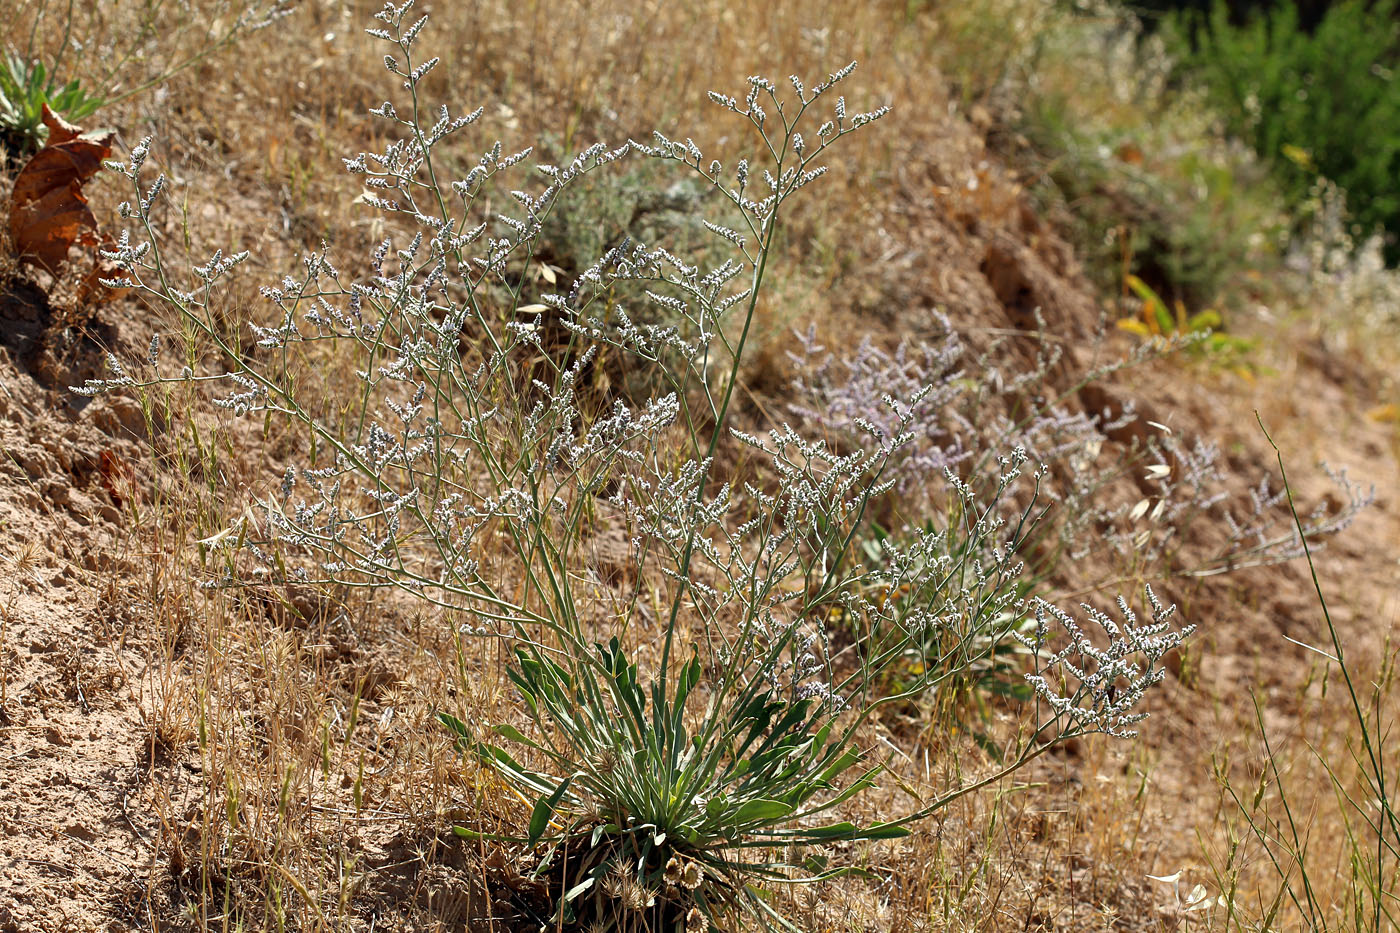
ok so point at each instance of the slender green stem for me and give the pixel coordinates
(1388, 816)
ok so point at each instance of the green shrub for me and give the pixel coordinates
(1320, 103)
(1130, 164)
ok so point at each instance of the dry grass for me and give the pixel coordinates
(293, 762)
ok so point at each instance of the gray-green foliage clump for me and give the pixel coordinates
(677, 761)
(26, 86)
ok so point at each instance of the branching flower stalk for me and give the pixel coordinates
(963, 417)
(477, 459)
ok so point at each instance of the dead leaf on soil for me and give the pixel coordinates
(49, 213)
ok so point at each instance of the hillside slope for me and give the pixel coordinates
(112, 663)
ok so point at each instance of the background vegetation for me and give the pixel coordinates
(1315, 99)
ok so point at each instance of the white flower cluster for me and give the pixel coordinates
(958, 411)
(1098, 687)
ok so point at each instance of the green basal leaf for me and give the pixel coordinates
(459, 729)
(453, 723)
(544, 809)
(845, 760)
(763, 811)
(884, 831)
(864, 782)
(833, 831)
(578, 889)
(1206, 320)
(800, 792)
(507, 731)
(539, 819)
(501, 760)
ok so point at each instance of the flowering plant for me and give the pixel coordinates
(691, 724)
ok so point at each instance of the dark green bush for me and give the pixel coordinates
(1313, 103)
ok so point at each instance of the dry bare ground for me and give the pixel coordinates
(172, 759)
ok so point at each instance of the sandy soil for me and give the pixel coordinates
(75, 756)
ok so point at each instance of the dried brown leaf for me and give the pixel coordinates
(49, 212)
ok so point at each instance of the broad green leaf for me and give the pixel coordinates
(578, 889)
(453, 723)
(544, 809)
(1163, 317)
(846, 759)
(884, 831)
(864, 782)
(833, 831)
(766, 811)
(515, 735)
